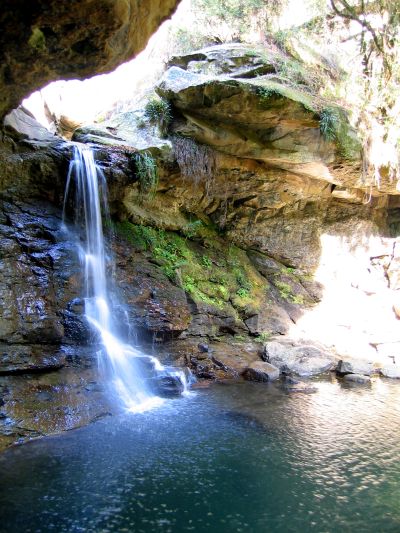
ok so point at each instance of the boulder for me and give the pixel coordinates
(390, 371)
(271, 318)
(168, 385)
(355, 366)
(261, 371)
(303, 359)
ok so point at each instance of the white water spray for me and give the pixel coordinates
(129, 370)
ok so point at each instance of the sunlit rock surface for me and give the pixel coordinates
(45, 41)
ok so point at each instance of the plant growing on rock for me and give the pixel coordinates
(263, 337)
(196, 161)
(147, 173)
(328, 123)
(158, 111)
(192, 229)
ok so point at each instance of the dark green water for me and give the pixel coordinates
(232, 458)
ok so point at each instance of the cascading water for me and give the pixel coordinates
(133, 374)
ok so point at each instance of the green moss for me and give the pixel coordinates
(286, 292)
(220, 277)
(37, 40)
(270, 88)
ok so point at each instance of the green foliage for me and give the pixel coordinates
(206, 261)
(265, 93)
(158, 111)
(286, 293)
(297, 299)
(37, 40)
(333, 127)
(328, 123)
(288, 270)
(147, 173)
(243, 282)
(243, 293)
(192, 229)
(185, 40)
(263, 337)
(239, 16)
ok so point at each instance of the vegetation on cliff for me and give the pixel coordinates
(203, 265)
(345, 51)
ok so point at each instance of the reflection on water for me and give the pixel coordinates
(243, 457)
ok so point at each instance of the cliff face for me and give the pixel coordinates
(247, 163)
(254, 239)
(44, 41)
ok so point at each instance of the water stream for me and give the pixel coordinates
(135, 376)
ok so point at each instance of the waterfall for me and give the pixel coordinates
(136, 378)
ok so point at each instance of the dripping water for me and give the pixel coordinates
(136, 378)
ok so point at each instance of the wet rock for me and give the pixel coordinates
(357, 378)
(203, 348)
(261, 371)
(168, 385)
(29, 358)
(355, 366)
(154, 304)
(45, 403)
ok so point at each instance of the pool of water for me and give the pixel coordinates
(240, 457)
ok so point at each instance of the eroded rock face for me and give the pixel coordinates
(45, 41)
(242, 110)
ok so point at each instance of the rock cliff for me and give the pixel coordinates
(241, 233)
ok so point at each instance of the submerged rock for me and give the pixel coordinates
(289, 384)
(357, 378)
